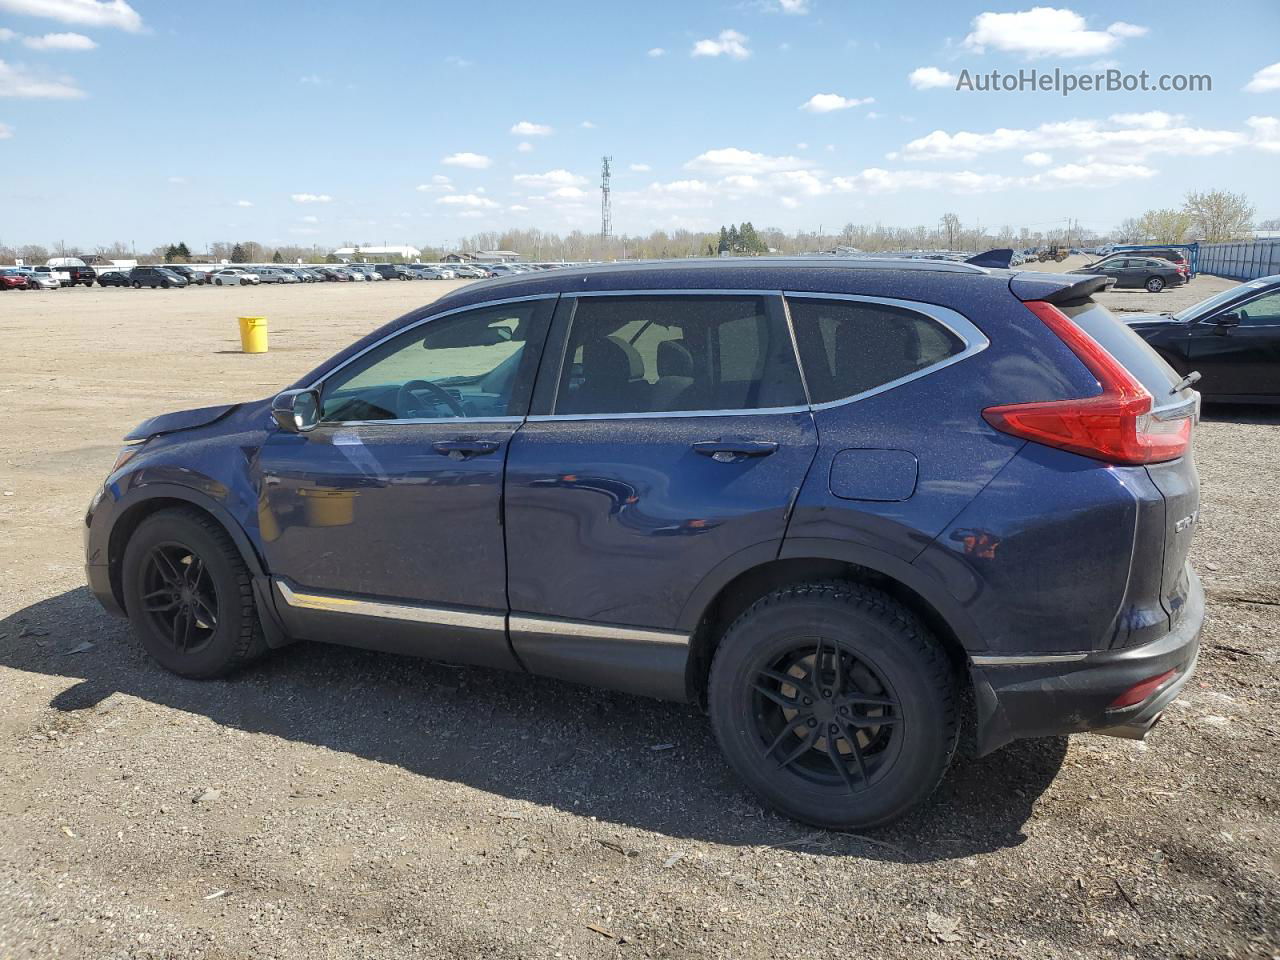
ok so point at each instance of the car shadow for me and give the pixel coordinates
(618, 758)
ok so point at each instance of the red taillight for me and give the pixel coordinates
(1141, 690)
(1115, 426)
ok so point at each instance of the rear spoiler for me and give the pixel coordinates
(1000, 258)
(1057, 288)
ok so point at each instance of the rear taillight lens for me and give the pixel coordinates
(1116, 426)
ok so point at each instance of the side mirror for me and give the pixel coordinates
(1226, 322)
(296, 411)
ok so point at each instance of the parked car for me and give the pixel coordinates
(1136, 272)
(235, 277)
(648, 494)
(354, 274)
(1232, 339)
(113, 278)
(330, 274)
(12, 279)
(393, 271)
(304, 276)
(365, 271)
(1176, 257)
(273, 275)
(38, 279)
(433, 273)
(70, 271)
(192, 276)
(155, 277)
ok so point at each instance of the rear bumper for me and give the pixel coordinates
(1055, 694)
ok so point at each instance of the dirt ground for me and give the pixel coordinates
(338, 803)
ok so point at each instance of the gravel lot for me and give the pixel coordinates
(338, 803)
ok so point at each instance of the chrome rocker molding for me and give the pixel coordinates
(631, 659)
(999, 660)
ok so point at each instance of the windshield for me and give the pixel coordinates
(1197, 310)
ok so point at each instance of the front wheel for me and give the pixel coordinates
(1155, 284)
(137, 284)
(190, 596)
(835, 704)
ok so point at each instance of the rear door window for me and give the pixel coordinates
(848, 347)
(666, 353)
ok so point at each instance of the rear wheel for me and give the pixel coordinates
(834, 704)
(137, 284)
(1155, 284)
(190, 596)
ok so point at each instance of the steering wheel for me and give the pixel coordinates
(404, 397)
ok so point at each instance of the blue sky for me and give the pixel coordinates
(420, 123)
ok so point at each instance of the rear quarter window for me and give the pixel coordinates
(1126, 346)
(848, 347)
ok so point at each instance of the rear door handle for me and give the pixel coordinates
(731, 451)
(461, 449)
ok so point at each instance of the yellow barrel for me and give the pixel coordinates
(253, 334)
(329, 508)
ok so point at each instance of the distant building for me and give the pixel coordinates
(405, 252)
(481, 256)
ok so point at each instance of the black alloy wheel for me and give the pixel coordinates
(179, 596)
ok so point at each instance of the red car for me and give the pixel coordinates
(11, 279)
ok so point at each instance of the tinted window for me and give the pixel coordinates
(1263, 312)
(472, 364)
(652, 354)
(848, 347)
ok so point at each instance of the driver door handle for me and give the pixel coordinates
(461, 449)
(730, 451)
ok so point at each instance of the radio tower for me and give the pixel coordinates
(606, 208)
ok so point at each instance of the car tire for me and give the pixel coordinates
(1154, 284)
(190, 595)
(857, 656)
(137, 284)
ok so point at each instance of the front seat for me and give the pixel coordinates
(675, 378)
(612, 379)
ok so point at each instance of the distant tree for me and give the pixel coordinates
(1271, 224)
(735, 241)
(1218, 215)
(183, 251)
(950, 226)
(276, 258)
(238, 254)
(1164, 226)
(170, 253)
(749, 241)
(723, 246)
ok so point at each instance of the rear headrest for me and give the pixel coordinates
(611, 358)
(674, 359)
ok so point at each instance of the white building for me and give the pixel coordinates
(405, 252)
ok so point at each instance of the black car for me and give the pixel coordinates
(1136, 272)
(113, 278)
(1232, 340)
(155, 277)
(394, 271)
(194, 278)
(846, 518)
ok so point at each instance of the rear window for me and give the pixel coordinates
(848, 347)
(1126, 346)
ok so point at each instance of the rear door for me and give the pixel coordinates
(670, 432)
(1241, 359)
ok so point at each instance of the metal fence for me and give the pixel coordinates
(1240, 261)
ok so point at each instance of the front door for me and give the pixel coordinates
(1240, 359)
(670, 434)
(389, 512)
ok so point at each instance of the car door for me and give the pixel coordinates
(386, 518)
(1240, 358)
(670, 435)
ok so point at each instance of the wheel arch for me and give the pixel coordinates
(738, 582)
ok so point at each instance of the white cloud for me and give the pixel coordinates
(729, 43)
(640, 168)
(552, 178)
(1265, 80)
(310, 79)
(827, 102)
(16, 81)
(587, 125)
(309, 219)
(798, 7)
(1151, 120)
(468, 200)
(526, 129)
(60, 41)
(568, 193)
(1045, 32)
(6, 131)
(802, 145)
(88, 13)
(524, 146)
(872, 115)
(1037, 159)
(728, 160)
(456, 61)
(177, 179)
(1094, 174)
(473, 161)
(471, 214)
(310, 197)
(6, 34)
(1126, 144)
(927, 78)
(439, 184)
(1266, 133)
(518, 208)
(244, 203)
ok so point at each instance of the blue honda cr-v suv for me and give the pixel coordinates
(841, 504)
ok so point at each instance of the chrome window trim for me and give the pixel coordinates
(975, 340)
(595, 631)
(651, 415)
(1021, 660)
(680, 291)
(388, 610)
(416, 421)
